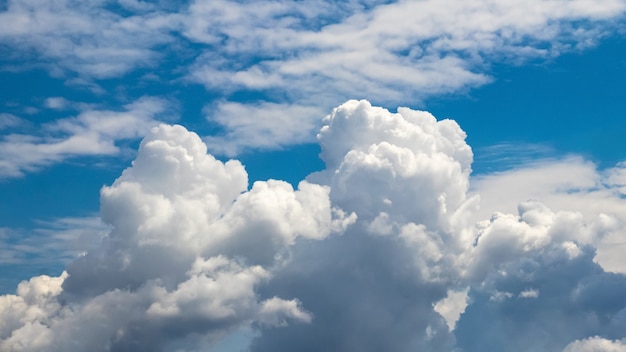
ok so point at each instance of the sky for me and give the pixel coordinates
(365, 175)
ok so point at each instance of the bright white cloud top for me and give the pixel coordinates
(392, 244)
(360, 257)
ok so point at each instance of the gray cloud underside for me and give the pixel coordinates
(373, 253)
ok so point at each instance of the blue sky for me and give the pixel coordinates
(536, 87)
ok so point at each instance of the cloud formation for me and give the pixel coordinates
(303, 56)
(395, 51)
(571, 184)
(86, 39)
(379, 251)
(187, 249)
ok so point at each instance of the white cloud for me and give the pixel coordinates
(9, 121)
(51, 242)
(299, 55)
(361, 286)
(380, 251)
(595, 344)
(24, 314)
(86, 38)
(547, 256)
(572, 184)
(530, 293)
(92, 132)
(393, 51)
(413, 248)
(187, 250)
(452, 307)
(265, 125)
(275, 312)
(56, 103)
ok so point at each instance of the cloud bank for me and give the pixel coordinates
(294, 60)
(379, 251)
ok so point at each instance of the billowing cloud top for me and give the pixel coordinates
(379, 251)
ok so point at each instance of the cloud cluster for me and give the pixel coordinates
(188, 246)
(571, 184)
(536, 286)
(379, 251)
(395, 51)
(297, 59)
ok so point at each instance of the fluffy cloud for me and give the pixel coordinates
(188, 247)
(379, 251)
(405, 176)
(595, 344)
(532, 270)
(414, 253)
(571, 184)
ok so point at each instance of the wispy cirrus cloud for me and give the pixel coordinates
(91, 132)
(313, 53)
(51, 242)
(9, 120)
(264, 125)
(47, 247)
(390, 52)
(89, 39)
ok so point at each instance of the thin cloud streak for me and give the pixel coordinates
(302, 54)
(91, 133)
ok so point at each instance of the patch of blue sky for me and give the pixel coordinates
(70, 188)
(45, 247)
(572, 104)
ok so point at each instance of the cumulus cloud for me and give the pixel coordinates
(533, 270)
(189, 245)
(595, 344)
(572, 184)
(378, 251)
